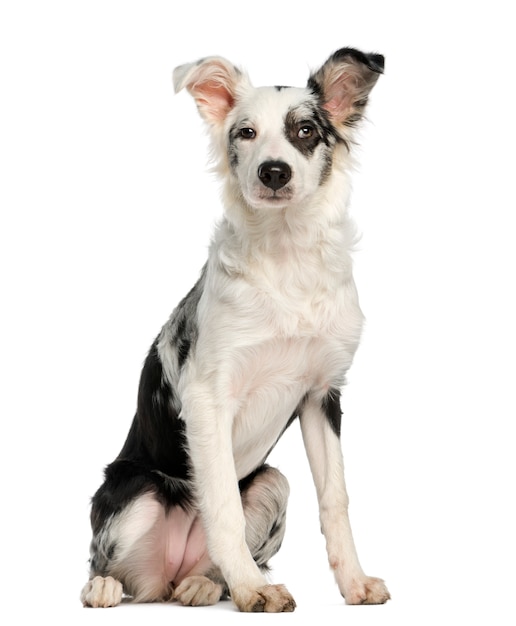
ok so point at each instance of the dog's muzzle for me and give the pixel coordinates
(274, 174)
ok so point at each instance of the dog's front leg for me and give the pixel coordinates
(320, 424)
(209, 435)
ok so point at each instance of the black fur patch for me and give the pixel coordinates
(154, 457)
(309, 115)
(182, 326)
(331, 408)
(375, 62)
(293, 131)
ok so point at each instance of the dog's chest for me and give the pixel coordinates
(297, 295)
(268, 388)
(285, 326)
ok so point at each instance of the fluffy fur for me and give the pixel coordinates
(189, 510)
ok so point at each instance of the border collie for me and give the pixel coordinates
(189, 510)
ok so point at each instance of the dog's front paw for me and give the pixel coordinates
(197, 591)
(367, 590)
(268, 599)
(102, 592)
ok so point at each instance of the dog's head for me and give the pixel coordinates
(278, 143)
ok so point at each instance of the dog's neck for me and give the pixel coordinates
(318, 235)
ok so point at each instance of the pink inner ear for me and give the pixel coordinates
(214, 99)
(333, 105)
(338, 93)
(339, 106)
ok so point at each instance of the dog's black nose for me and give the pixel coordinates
(274, 174)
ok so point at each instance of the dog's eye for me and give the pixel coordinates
(247, 133)
(306, 131)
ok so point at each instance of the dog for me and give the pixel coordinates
(189, 510)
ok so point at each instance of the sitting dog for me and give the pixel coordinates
(189, 510)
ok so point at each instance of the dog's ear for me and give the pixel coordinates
(213, 84)
(344, 82)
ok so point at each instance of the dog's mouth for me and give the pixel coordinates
(273, 200)
(264, 197)
(277, 196)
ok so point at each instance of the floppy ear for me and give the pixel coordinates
(344, 83)
(213, 83)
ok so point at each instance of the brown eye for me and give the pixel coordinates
(306, 131)
(247, 133)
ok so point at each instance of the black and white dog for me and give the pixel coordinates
(189, 510)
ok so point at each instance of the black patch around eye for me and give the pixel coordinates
(317, 118)
(305, 145)
(323, 132)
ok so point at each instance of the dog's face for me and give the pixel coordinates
(278, 143)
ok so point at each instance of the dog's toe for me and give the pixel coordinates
(102, 592)
(368, 590)
(266, 599)
(198, 591)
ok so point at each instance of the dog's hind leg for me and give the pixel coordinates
(264, 497)
(126, 555)
(137, 549)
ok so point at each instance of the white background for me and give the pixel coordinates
(106, 214)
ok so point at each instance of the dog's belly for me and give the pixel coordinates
(164, 545)
(183, 545)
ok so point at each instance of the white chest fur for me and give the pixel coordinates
(273, 327)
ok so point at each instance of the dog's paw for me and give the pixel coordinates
(268, 599)
(197, 591)
(102, 592)
(367, 590)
